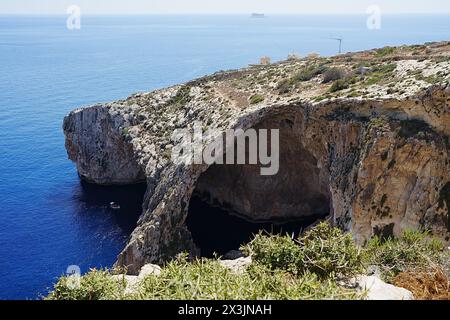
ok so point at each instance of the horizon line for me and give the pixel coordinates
(221, 14)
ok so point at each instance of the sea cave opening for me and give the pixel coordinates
(232, 203)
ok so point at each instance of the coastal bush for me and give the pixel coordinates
(275, 252)
(285, 86)
(413, 249)
(381, 73)
(333, 74)
(255, 99)
(324, 251)
(328, 251)
(309, 72)
(182, 97)
(95, 285)
(339, 85)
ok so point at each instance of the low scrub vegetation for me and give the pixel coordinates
(324, 251)
(182, 97)
(311, 266)
(333, 74)
(339, 85)
(387, 51)
(411, 251)
(255, 99)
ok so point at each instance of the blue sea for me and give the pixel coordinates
(50, 220)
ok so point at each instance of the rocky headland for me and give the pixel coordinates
(364, 136)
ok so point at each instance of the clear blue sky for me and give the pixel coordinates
(222, 6)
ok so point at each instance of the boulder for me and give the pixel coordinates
(237, 266)
(377, 289)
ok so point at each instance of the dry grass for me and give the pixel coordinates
(431, 284)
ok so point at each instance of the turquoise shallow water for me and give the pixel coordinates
(48, 219)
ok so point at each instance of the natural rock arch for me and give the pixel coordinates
(232, 201)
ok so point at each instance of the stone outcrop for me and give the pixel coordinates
(376, 289)
(95, 142)
(370, 150)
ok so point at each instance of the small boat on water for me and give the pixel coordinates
(258, 15)
(114, 206)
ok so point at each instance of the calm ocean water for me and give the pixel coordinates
(48, 219)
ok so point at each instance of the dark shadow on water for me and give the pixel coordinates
(216, 231)
(129, 198)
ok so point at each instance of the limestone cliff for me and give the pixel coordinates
(364, 137)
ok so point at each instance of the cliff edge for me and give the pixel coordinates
(364, 136)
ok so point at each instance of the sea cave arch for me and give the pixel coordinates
(232, 202)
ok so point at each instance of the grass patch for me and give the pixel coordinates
(387, 51)
(255, 99)
(208, 280)
(381, 73)
(412, 250)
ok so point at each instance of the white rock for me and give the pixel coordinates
(237, 266)
(377, 289)
(149, 269)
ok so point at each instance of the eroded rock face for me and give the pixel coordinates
(377, 159)
(97, 144)
(300, 189)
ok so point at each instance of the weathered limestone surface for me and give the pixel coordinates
(375, 153)
(377, 289)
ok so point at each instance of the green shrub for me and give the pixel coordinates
(275, 252)
(381, 73)
(255, 99)
(324, 251)
(309, 72)
(339, 85)
(182, 97)
(285, 86)
(328, 251)
(96, 285)
(333, 74)
(413, 249)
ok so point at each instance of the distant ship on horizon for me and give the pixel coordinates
(258, 15)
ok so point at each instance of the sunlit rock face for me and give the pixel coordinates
(373, 155)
